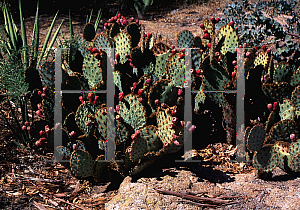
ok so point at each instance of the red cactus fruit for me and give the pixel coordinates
(264, 47)
(26, 123)
(163, 105)
(202, 26)
(90, 96)
(209, 45)
(47, 129)
(268, 51)
(90, 49)
(181, 56)
(127, 56)
(148, 81)
(140, 92)
(121, 96)
(175, 137)
(233, 74)
(105, 25)
(212, 19)
(206, 36)
(236, 29)
(38, 143)
(217, 54)
(118, 117)
(234, 62)
(248, 54)
(115, 18)
(176, 142)
(231, 23)
(137, 133)
(72, 134)
(137, 21)
(81, 99)
(132, 19)
(199, 71)
(39, 113)
(270, 107)
(125, 22)
(205, 31)
(172, 47)
(217, 20)
(149, 35)
(95, 50)
(141, 100)
(29, 129)
(117, 108)
(182, 123)
(96, 99)
(157, 102)
(179, 92)
(174, 51)
(117, 57)
(275, 105)
(42, 133)
(133, 137)
(293, 137)
(192, 128)
(119, 15)
(24, 128)
(182, 50)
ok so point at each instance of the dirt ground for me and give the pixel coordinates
(30, 180)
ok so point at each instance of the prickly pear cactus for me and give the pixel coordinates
(81, 163)
(265, 159)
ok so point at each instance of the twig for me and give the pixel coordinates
(293, 35)
(198, 204)
(40, 180)
(72, 204)
(192, 197)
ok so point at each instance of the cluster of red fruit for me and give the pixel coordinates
(120, 20)
(44, 134)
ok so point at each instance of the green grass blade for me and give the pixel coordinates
(10, 28)
(98, 19)
(46, 40)
(54, 37)
(91, 16)
(36, 37)
(71, 27)
(24, 39)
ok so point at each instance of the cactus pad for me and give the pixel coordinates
(282, 130)
(176, 70)
(185, 39)
(265, 159)
(123, 45)
(89, 32)
(230, 37)
(82, 164)
(81, 117)
(133, 112)
(256, 138)
(287, 110)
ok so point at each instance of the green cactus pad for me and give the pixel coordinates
(199, 98)
(295, 98)
(114, 30)
(140, 167)
(82, 164)
(282, 149)
(81, 117)
(123, 45)
(247, 132)
(133, 112)
(163, 120)
(101, 42)
(164, 91)
(89, 32)
(230, 37)
(121, 128)
(263, 59)
(282, 130)
(133, 30)
(287, 110)
(176, 70)
(139, 149)
(272, 119)
(196, 58)
(64, 152)
(276, 91)
(256, 138)
(149, 133)
(149, 70)
(84, 51)
(295, 79)
(295, 163)
(117, 80)
(266, 159)
(95, 71)
(281, 72)
(185, 39)
(294, 148)
(47, 73)
(160, 48)
(161, 63)
(100, 168)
